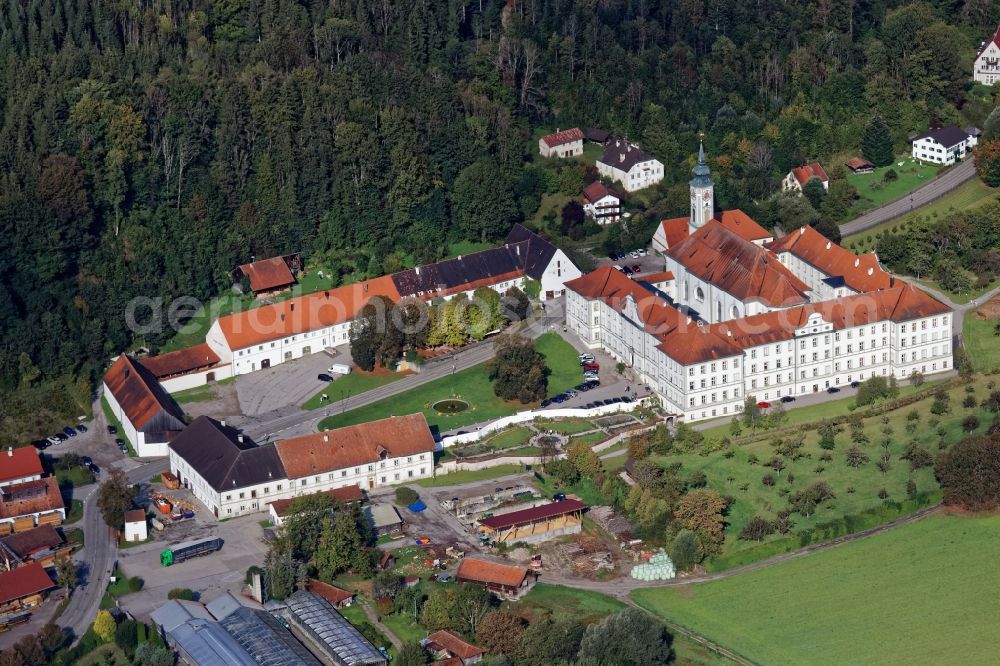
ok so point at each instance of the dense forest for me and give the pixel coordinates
(147, 146)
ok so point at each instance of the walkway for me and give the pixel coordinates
(923, 195)
(376, 622)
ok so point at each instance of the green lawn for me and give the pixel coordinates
(469, 476)
(472, 385)
(405, 627)
(911, 176)
(347, 385)
(590, 438)
(921, 593)
(856, 490)
(74, 512)
(969, 195)
(74, 476)
(567, 427)
(981, 341)
(510, 438)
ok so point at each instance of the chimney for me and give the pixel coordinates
(828, 244)
(802, 230)
(282, 316)
(857, 262)
(239, 438)
(10, 452)
(291, 306)
(417, 269)
(366, 287)
(223, 423)
(326, 438)
(327, 293)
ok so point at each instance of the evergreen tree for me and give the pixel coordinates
(876, 142)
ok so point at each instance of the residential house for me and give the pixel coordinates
(601, 203)
(147, 414)
(986, 68)
(859, 165)
(269, 276)
(23, 588)
(43, 544)
(944, 145)
(565, 143)
(19, 465)
(799, 176)
(25, 505)
(506, 581)
(627, 164)
(444, 645)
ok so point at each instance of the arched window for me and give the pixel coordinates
(699, 294)
(736, 312)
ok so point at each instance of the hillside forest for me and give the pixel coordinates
(148, 146)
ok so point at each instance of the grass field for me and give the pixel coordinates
(472, 385)
(348, 385)
(469, 476)
(856, 490)
(566, 603)
(74, 476)
(966, 196)
(196, 394)
(920, 593)
(75, 512)
(911, 176)
(981, 341)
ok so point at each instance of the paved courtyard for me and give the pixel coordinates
(287, 384)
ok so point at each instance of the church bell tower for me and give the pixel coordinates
(702, 193)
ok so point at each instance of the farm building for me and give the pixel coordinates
(444, 645)
(24, 587)
(135, 525)
(42, 544)
(537, 524)
(506, 581)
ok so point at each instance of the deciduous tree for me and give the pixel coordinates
(628, 638)
(114, 498)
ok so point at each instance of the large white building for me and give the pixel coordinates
(986, 69)
(945, 145)
(627, 164)
(232, 476)
(265, 336)
(148, 416)
(565, 143)
(733, 318)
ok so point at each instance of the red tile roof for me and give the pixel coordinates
(331, 593)
(38, 496)
(747, 271)
(617, 290)
(533, 514)
(807, 171)
(355, 445)
(24, 581)
(675, 230)
(344, 495)
(653, 278)
(743, 225)
(302, 313)
(268, 274)
(135, 516)
(141, 397)
(27, 543)
(475, 570)
(19, 463)
(181, 361)
(856, 163)
(995, 39)
(597, 191)
(565, 136)
(455, 645)
(862, 273)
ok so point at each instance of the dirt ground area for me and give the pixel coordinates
(225, 405)
(988, 310)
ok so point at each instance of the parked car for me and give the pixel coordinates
(642, 252)
(546, 402)
(323, 377)
(591, 367)
(40, 444)
(589, 376)
(570, 393)
(559, 497)
(621, 255)
(69, 431)
(763, 405)
(833, 389)
(112, 430)
(581, 387)
(634, 254)
(626, 270)
(626, 398)
(593, 383)
(586, 358)
(787, 398)
(60, 437)
(558, 399)
(613, 257)
(81, 428)
(855, 384)
(86, 460)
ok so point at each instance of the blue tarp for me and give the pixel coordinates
(417, 507)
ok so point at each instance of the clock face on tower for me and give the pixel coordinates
(707, 195)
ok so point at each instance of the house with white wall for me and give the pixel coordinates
(232, 475)
(565, 143)
(797, 178)
(147, 414)
(601, 203)
(944, 145)
(628, 164)
(986, 68)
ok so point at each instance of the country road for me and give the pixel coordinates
(98, 556)
(293, 421)
(921, 196)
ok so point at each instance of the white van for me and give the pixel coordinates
(339, 369)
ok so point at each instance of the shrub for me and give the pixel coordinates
(134, 584)
(970, 423)
(970, 473)
(686, 550)
(767, 479)
(756, 529)
(969, 402)
(890, 176)
(127, 636)
(883, 494)
(406, 496)
(181, 593)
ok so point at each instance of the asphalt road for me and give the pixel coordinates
(294, 421)
(97, 557)
(922, 196)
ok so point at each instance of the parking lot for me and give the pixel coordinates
(243, 545)
(287, 384)
(648, 263)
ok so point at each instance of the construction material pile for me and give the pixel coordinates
(659, 567)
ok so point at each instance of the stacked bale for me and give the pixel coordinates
(659, 567)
